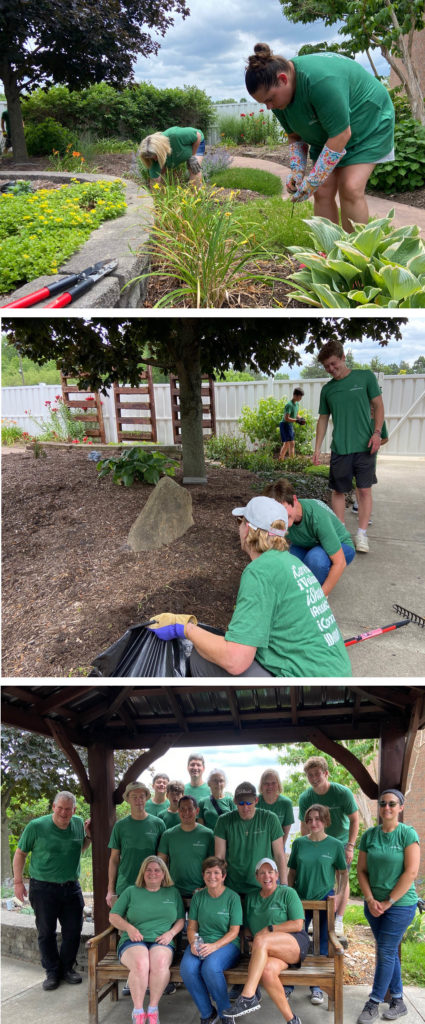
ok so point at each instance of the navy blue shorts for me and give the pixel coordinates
(128, 943)
(286, 431)
(201, 148)
(360, 465)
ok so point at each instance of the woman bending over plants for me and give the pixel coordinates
(163, 151)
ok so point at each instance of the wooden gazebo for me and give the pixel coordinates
(157, 716)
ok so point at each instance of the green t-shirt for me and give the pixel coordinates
(55, 852)
(315, 865)
(319, 525)
(170, 818)
(282, 808)
(247, 842)
(282, 611)
(284, 904)
(348, 402)
(215, 915)
(341, 804)
(135, 840)
(333, 92)
(291, 409)
(199, 792)
(153, 913)
(385, 861)
(208, 812)
(156, 809)
(185, 852)
(181, 142)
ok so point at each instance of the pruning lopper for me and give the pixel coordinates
(70, 288)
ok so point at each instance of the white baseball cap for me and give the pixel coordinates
(261, 512)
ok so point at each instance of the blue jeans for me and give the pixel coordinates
(317, 560)
(388, 931)
(52, 902)
(323, 924)
(205, 978)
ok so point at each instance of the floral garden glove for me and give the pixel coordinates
(325, 164)
(298, 152)
(168, 626)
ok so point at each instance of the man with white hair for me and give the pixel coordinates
(55, 842)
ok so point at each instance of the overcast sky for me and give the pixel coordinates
(210, 47)
(240, 763)
(412, 346)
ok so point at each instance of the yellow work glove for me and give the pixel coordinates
(168, 626)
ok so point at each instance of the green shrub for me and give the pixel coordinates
(407, 171)
(251, 129)
(43, 138)
(318, 471)
(225, 449)
(248, 177)
(376, 265)
(137, 464)
(262, 424)
(10, 433)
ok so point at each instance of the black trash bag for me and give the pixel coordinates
(140, 653)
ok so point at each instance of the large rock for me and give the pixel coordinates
(166, 516)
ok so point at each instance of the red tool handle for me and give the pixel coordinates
(374, 632)
(28, 300)
(62, 300)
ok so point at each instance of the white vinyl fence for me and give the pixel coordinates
(404, 400)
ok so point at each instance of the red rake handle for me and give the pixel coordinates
(374, 632)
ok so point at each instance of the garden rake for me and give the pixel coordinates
(411, 616)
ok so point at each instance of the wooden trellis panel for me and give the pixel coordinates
(208, 407)
(143, 426)
(90, 402)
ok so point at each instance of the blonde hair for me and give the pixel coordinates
(260, 540)
(153, 148)
(270, 771)
(316, 762)
(166, 880)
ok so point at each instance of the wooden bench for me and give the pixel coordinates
(105, 970)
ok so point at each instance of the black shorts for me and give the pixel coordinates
(304, 942)
(360, 465)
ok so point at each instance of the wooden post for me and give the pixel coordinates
(391, 754)
(101, 776)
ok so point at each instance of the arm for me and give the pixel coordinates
(286, 831)
(322, 426)
(363, 877)
(279, 856)
(114, 860)
(87, 835)
(326, 162)
(124, 926)
(291, 877)
(18, 868)
(220, 847)
(341, 884)
(285, 926)
(164, 857)
(166, 937)
(235, 658)
(335, 572)
(378, 418)
(197, 143)
(304, 828)
(352, 836)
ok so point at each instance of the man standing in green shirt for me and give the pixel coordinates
(243, 836)
(55, 842)
(159, 802)
(132, 839)
(348, 398)
(184, 848)
(344, 815)
(196, 787)
(317, 536)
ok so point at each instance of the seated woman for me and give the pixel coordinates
(275, 917)
(218, 803)
(215, 917)
(282, 624)
(165, 150)
(150, 914)
(314, 862)
(387, 867)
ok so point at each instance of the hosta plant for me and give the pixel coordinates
(375, 265)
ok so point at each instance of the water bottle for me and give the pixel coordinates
(198, 942)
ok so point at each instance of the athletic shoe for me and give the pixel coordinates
(288, 990)
(139, 1018)
(152, 1018)
(396, 1009)
(316, 996)
(339, 928)
(362, 543)
(212, 1019)
(126, 990)
(294, 1020)
(170, 989)
(355, 508)
(235, 991)
(51, 981)
(369, 1012)
(243, 1005)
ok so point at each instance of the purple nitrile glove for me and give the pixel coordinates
(168, 626)
(326, 162)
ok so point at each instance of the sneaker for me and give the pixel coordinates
(355, 508)
(139, 1017)
(396, 1009)
(294, 1020)
(245, 1004)
(339, 928)
(288, 990)
(151, 1018)
(362, 543)
(369, 1012)
(235, 991)
(212, 1019)
(51, 981)
(170, 989)
(316, 996)
(126, 990)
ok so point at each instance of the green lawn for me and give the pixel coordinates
(248, 177)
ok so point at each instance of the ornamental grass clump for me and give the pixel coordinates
(375, 265)
(39, 230)
(198, 244)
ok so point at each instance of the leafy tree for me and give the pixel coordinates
(100, 351)
(52, 41)
(389, 26)
(418, 365)
(281, 376)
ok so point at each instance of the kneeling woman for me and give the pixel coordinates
(163, 151)
(275, 917)
(215, 917)
(150, 914)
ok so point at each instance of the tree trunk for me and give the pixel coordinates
(11, 90)
(188, 370)
(408, 74)
(6, 862)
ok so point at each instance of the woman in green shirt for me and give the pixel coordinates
(218, 803)
(387, 867)
(150, 914)
(271, 799)
(165, 150)
(332, 105)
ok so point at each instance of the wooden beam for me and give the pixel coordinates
(294, 704)
(73, 756)
(391, 754)
(62, 696)
(234, 708)
(349, 760)
(179, 716)
(417, 712)
(101, 775)
(141, 763)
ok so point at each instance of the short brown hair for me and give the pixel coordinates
(174, 784)
(316, 762)
(196, 757)
(281, 490)
(214, 862)
(298, 391)
(332, 348)
(322, 811)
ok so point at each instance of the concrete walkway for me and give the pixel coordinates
(378, 207)
(392, 573)
(24, 1001)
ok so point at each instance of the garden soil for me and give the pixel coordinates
(70, 586)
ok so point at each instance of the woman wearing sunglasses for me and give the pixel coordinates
(387, 867)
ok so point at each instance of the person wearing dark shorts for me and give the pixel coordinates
(348, 398)
(275, 917)
(286, 426)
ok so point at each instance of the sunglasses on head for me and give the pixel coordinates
(388, 803)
